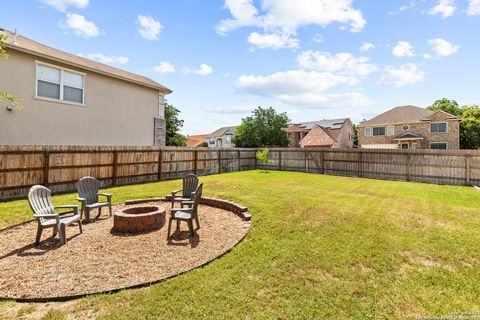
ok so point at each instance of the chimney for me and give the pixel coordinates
(14, 41)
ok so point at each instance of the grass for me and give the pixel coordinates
(320, 247)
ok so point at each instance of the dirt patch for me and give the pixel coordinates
(102, 260)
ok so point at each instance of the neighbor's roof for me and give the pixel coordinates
(332, 124)
(222, 131)
(32, 47)
(196, 141)
(402, 114)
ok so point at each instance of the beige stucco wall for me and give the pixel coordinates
(116, 113)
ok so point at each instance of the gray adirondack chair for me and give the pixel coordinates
(190, 184)
(40, 201)
(88, 188)
(187, 213)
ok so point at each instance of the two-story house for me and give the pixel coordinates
(410, 127)
(221, 138)
(335, 133)
(71, 100)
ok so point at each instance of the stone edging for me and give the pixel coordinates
(235, 208)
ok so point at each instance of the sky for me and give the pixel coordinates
(313, 59)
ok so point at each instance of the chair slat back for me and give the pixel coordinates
(190, 184)
(197, 196)
(88, 188)
(40, 201)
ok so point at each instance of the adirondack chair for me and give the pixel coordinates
(190, 184)
(40, 201)
(188, 213)
(88, 188)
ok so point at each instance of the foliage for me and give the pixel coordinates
(3, 51)
(262, 129)
(5, 96)
(355, 135)
(173, 126)
(470, 124)
(262, 156)
(320, 247)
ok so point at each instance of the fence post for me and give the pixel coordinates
(115, 168)
(360, 163)
(238, 158)
(46, 167)
(306, 161)
(408, 166)
(195, 160)
(280, 160)
(160, 164)
(467, 169)
(219, 153)
(323, 161)
(255, 155)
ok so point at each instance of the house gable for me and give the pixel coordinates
(317, 137)
(440, 115)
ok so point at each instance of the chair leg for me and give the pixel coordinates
(99, 211)
(190, 227)
(197, 221)
(80, 225)
(169, 228)
(55, 230)
(39, 234)
(62, 231)
(110, 209)
(178, 225)
(87, 215)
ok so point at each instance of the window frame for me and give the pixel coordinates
(365, 132)
(387, 129)
(379, 135)
(61, 69)
(446, 145)
(440, 122)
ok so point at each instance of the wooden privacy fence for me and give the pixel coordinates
(59, 167)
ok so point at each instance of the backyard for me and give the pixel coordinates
(319, 247)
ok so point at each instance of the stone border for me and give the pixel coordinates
(216, 203)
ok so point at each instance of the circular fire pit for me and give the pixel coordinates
(139, 219)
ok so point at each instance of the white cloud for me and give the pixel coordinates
(164, 67)
(403, 75)
(62, 5)
(272, 41)
(318, 38)
(403, 49)
(366, 46)
(100, 57)
(81, 26)
(444, 7)
(410, 5)
(149, 28)
(231, 109)
(473, 8)
(203, 70)
(427, 56)
(343, 63)
(442, 47)
(284, 17)
(328, 100)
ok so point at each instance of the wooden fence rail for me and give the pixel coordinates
(59, 167)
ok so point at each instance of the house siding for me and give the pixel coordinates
(117, 112)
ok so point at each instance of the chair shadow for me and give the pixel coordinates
(177, 235)
(46, 245)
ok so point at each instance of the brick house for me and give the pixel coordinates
(336, 133)
(410, 127)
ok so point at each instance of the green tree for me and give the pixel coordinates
(262, 156)
(450, 106)
(355, 135)
(5, 96)
(173, 126)
(262, 129)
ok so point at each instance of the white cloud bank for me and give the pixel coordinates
(342, 63)
(442, 47)
(203, 70)
(63, 5)
(402, 75)
(81, 26)
(272, 41)
(366, 46)
(403, 49)
(100, 57)
(473, 8)
(164, 67)
(446, 8)
(149, 28)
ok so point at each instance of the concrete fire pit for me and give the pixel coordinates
(139, 219)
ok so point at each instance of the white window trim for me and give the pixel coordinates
(430, 145)
(37, 97)
(446, 127)
(387, 129)
(365, 131)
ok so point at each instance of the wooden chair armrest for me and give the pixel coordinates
(107, 195)
(51, 215)
(81, 199)
(74, 208)
(174, 193)
(181, 209)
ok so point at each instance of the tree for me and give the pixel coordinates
(470, 124)
(5, 96)
(355, 135)
(173, 126)
(262, 129)
(262, 156)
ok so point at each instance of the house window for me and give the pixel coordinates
(438, 127)
(368, 132)
(379, 131)
(60, 84)
(390, 130)
(414, 146)
(438, 145)
(405, 127)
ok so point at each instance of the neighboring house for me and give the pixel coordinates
(70, 100)
(196, 141)
(221, 138)
(336, 133)
(410, 127)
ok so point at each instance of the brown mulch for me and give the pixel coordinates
(101, 260)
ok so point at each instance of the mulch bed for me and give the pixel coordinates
(101, 260)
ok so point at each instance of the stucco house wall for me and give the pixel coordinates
(115, 112)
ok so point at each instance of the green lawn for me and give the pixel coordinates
(320, 247)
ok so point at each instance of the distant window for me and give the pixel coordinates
(438, 145)
(438, 127)
(368, 132)
(60, 84)
(414, 146)
(379, 131)
(405, 127)
(390, 131)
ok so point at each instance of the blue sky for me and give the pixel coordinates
(313, 59)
